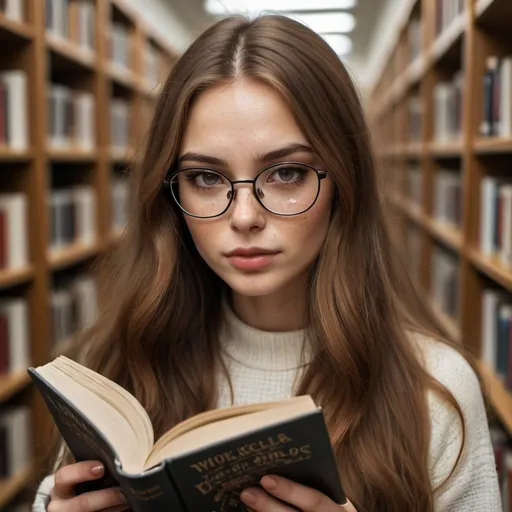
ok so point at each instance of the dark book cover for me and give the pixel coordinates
(212, 478)
(151, 491)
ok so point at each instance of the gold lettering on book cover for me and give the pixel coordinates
(225, 474)
(148, 494)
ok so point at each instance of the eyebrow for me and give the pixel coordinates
(275, 154)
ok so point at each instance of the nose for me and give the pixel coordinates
(246, 213)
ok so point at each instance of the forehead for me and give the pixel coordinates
(243, 112)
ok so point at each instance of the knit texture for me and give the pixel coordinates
(265, 366)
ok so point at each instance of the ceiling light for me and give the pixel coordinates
(255, 6)
(340, 43)
(325, 23)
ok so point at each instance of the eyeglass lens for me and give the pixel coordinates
(285, 189)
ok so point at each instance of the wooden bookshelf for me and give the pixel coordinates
(13, 486)
(46, 58)
(482, 30)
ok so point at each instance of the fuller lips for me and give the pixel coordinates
(252, 258)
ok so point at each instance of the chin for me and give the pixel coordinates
(255, 284)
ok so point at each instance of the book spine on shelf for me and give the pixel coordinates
(15, 83)
(15, 425)
(506, 97)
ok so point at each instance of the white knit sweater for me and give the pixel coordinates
(264, 366)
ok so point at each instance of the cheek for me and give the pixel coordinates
(203, 235)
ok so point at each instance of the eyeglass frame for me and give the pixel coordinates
(171, 174)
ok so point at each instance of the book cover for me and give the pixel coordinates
(209, 478)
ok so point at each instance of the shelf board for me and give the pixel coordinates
(493, 268)
(491, 145)
(11, 487)
(71, 155)
(413, 149)
(70, 52)
(14, 276)
(446, 233)
(12, 383)
(412, 210)
(124, 77)
(122, 155)
(500, 398)
(11, 29)
(74, 253)
(445, 149)
(449, 37)
(15, 155)
(445, 322)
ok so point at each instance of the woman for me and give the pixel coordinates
(257, 265)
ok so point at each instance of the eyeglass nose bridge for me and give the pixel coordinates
(258, 193)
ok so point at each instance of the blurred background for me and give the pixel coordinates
(78, 83)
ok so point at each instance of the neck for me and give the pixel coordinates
(282, 311)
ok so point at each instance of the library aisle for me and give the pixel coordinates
(73, 109)
(78, 82)
(441, 114)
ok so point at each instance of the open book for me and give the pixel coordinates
(200, 464)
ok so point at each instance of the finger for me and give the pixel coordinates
(119, 508)
(260, 501)
(98, 500)
(68, 476)
(300, 496)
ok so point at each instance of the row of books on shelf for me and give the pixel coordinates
(71, 117)
(446, 12)
(447, 106)
(72, 216)
(415, 113)
(503, 455)
(72, 213)
(15, 440)
(447, 205)
(414, 36)
(496, 218)
(497, 97)
(73, 307)
(12, 9)
(445, 281)
(497, 333)
(120, 50)
(72, 20)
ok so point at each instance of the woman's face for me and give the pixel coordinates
(234, 129)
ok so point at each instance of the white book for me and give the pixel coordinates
(84, 121)
(443, 97)
(62, 306)
(506, 98)
(17, 423)
(506, 224)
(14, 10)
(489, 342)
(86, 24)
(488, 195)
(85, 203)
(85, 291)
(15, 82)
(16, 312)
(14, 207)
(58, 201)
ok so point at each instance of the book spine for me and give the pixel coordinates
(152, 491)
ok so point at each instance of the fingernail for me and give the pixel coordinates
(249, 497)
(97, 470)
(269, 482)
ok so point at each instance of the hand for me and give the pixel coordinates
(64, 498)
(297, 496)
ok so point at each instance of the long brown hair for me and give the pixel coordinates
(157, 334)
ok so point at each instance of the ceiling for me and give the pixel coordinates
(366, 12)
